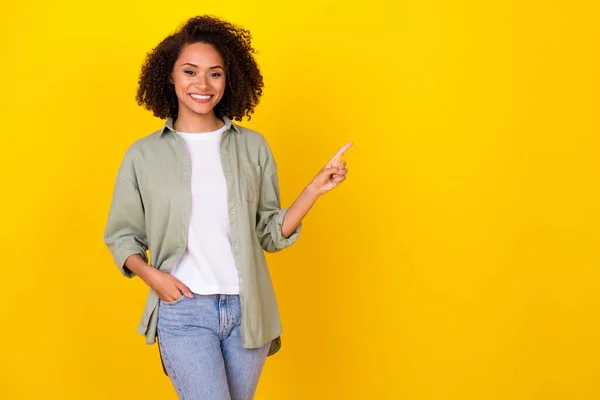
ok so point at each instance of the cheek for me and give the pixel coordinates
(181, 93)
(221, 88)
(182, 82)
(221, 84)
(182, 88)
(177, 86)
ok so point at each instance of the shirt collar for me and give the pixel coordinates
(168, 126)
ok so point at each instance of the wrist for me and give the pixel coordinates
(148, 275)
(312, 191)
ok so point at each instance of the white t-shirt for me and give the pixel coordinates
(207, 265)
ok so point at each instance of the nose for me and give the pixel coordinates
(201, 82)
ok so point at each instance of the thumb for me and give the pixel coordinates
(184, 289)
(330, 171)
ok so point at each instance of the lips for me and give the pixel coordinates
(201, 98)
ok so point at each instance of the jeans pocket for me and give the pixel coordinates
(170, 303)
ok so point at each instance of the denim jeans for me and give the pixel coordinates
(201, 348)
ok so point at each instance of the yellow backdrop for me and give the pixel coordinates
(458, 261)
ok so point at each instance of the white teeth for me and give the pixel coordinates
(200, 97)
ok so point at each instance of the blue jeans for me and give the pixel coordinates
(201, 348)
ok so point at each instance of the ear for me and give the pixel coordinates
(171, 79)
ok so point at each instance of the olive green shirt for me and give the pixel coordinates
(151, 207)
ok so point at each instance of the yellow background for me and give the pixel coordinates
(458, 261)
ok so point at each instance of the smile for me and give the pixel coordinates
(201, 98)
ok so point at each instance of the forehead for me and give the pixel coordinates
(201, 54)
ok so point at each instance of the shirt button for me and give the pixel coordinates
(233, 210)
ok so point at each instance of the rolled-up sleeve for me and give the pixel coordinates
(270, 215)
(125, 232)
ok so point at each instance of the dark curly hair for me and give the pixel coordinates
(244, 81)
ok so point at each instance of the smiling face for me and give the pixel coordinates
(199, 79)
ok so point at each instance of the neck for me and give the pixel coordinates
(197, 122)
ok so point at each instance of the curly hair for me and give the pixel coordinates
(244, 81)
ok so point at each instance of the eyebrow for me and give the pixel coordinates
(194, 65)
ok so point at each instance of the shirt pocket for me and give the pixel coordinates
(250, 181)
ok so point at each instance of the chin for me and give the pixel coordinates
(203, 109)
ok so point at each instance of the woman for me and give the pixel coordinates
(202, 195)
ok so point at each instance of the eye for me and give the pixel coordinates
(185, 72)
(215, 74)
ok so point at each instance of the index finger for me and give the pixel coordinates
(338, 155)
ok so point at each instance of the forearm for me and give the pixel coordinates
(136, 264)
(298, 210)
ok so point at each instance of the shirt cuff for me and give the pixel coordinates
(123, 253)
(280, 242)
